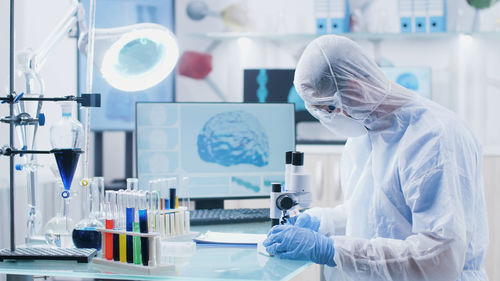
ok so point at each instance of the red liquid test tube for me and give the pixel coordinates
(110, 224)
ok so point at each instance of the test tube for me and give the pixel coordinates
(153, 211)
(173, 193)
(132, 184)
(129, 225)
(121, 207)
(143, 227)
(164, 193)
(112, 198)
(110, 224)
(137, 240)
(100, 214)
(184, 193)
(187, 224)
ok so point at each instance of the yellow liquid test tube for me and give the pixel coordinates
(123, 248)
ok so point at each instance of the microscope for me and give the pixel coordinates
(295, 195)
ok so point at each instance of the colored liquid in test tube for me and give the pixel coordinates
(140, 203)
(173, 198)
(143, 225)
(132, 185)
(112, 198)
(122, 238)
(110, 224)
(129, 225)
(137, 243)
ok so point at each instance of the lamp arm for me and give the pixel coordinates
(74, 15)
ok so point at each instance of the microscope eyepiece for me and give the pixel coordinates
(288, 157)
(297, 158)
(276, 187)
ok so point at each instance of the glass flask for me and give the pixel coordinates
(101, 213)
(67, 132)
(66, 139)
(85, 234)
(58, 229)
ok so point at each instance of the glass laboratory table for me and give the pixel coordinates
(206, 263)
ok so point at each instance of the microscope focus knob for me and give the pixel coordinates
(285, 202)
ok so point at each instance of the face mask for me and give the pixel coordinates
(345, 126)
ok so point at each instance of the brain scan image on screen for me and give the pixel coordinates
(233, 138)
(227, 150)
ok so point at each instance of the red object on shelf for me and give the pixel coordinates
(195, 65)
(110, 224)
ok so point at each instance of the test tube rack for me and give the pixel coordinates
(174, 223)
(154, 266)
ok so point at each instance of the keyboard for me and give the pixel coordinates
(79, 255)
(227, 216)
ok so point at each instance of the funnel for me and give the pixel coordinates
(67, 160)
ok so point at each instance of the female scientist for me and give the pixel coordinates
(413, 207)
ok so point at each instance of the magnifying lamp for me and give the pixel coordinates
(130, 58)
(134, 57)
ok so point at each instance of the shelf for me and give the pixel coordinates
(355, 36)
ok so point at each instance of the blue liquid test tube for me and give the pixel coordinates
(172, 198)
(143, 225)
(130, 227)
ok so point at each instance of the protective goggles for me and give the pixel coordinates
(325, 108)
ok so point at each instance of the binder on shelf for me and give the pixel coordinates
(436, 11)
(406, 15)
(321, 9)
(420, 16)
(332, 16)
(339, 11)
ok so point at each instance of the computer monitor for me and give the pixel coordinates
(228, 150)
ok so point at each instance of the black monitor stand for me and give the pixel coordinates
(209, 204)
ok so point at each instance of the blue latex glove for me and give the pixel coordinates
(297, 243)
(306, 221)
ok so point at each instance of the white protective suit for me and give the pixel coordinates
(413, 207)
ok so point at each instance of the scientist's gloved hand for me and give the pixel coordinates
(306, 221)
(296, 243)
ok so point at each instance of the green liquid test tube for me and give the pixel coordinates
(137, 245)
